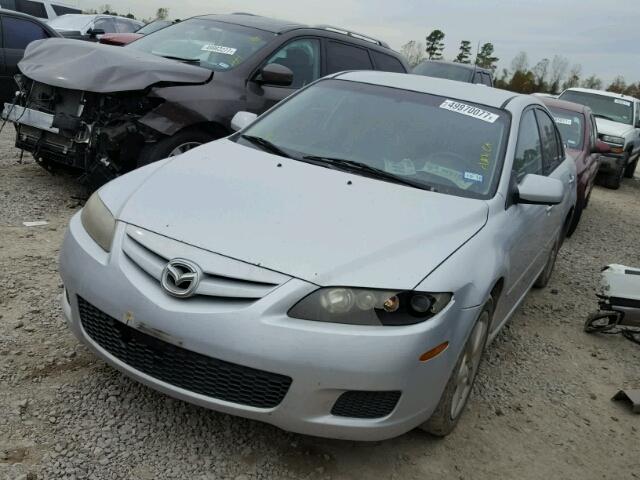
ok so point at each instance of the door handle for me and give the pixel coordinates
(572, 179)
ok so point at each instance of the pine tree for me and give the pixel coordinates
(465, 52)
(435, 45)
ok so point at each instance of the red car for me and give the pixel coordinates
(580, 136)
(122, 39)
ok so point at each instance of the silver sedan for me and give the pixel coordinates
(338, 265)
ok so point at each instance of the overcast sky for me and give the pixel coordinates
(602, 36)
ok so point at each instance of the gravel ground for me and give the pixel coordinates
(541, 407)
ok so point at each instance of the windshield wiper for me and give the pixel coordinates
(181, 59)
(597, 115)
(266, 145)
(368, 170)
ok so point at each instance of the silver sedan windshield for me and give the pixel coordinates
(440, 143)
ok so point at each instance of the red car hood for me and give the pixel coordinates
(119, 39)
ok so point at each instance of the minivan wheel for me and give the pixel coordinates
(174, 145)
(631, 169)
(458, 389)
(543, 280)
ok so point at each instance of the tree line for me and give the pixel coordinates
(161, 13)
(546, 76)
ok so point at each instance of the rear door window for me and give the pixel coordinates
(341, 56)
(486, 79)
(552, 151)
(387, 63)
(18, 33)
(106, 24)
(125, 26)
(30, 7)
(477, 78)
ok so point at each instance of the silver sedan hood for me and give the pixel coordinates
(324, 226)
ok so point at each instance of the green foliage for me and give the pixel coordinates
(465, 52)
(485, 58)
(592, 82)
(435, 45)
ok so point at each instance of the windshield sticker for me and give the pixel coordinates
(452, 175)
(402, 167)
(622, 102)
(487, 148)
(219, 49)
(474, 177)
(563, 121)
(470, 111)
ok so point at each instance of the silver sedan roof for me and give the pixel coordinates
(470, 92)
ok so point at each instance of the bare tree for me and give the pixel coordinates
(540, 73)
(162, 13)
(592, 82)
(573, 79)
(520, 63)
(414, 52)
(619, 85)
(559, 66)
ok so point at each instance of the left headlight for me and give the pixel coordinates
(359, 306)
(613, 140)
(98, 221)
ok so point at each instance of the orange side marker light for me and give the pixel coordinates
(434, 352)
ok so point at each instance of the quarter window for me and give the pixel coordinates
(342, 57)
(30, 7)
(551, 147)
(528, 157)
(125, 26)
(387, 63)
(106, 24)
(302, 57)
(486, 79)
(19, 33)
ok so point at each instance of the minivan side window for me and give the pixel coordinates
(125, 26)
(552, 152)
(302, 57)
(486, 79)
(62, 10)
(341, 56)
(528, 157)
(19, 33)
(387, 63)
(106, 24)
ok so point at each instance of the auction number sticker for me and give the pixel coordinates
(563, 121)
(470, 111)
(219, 49)
(622, 102)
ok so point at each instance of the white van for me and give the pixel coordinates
(43, 9)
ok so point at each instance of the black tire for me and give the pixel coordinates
(442, 423)
(601, 321)
(163, 148)
(543, 280)
(613, 180)
(575, 220)
(631, 169)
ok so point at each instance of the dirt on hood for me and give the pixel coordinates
(98, 68)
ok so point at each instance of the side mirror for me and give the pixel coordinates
(539, 190)
(242, 120)
(94, 32)
(601, 147)
(276, 74)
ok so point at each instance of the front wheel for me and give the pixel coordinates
(631, 169)
(458, 389)
(614, 179)
(173, 146)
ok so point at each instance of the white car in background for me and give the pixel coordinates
(42, 9)
(90, 27)
(335, 268)
(618, 120)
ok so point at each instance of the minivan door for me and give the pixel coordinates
(301, 56)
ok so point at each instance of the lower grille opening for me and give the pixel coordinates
(181, 367)
(362, 404)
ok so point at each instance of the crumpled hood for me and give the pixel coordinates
(94, 67)
(616, 129)
(300, 219)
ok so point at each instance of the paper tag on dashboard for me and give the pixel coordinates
(219, 49)
(563, 121)
(622, 102)
(470, 111)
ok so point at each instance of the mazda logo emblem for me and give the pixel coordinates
(180, 278)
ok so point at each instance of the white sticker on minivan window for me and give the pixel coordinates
(563, 121)
(622, 102)
(219, 49)
(470, 111)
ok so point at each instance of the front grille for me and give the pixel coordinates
(360, 404)
(180, 367)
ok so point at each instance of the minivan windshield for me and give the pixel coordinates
(603, 106)
(432, 142)
(443, 70)
(210, 44)
(571, 126)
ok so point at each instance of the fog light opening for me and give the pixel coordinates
(434, 352)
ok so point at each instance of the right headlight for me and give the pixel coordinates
(361, 306)
(613, 140)
(98, 221)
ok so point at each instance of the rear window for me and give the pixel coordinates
(443, 70)
(387, 63)
(31, 8)
(571, 126)
(603, 106)
(341, 56)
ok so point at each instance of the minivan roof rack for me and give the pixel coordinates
(359, 36)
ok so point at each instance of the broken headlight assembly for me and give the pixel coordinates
(359, 306)
(98, 221)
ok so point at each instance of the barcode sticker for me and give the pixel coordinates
(470, 111)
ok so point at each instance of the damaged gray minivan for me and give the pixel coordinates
(106, 110)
